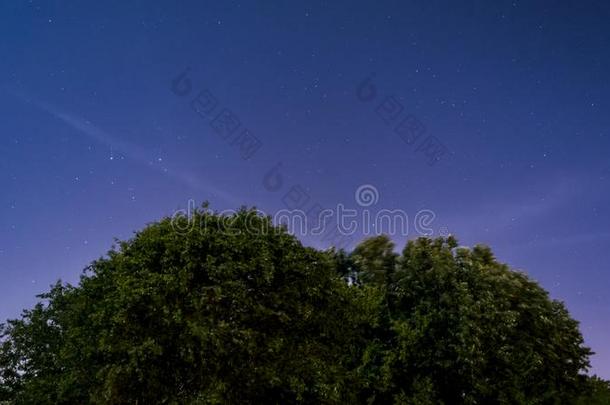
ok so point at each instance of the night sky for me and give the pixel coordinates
(491, 114)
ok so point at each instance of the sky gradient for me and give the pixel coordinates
(100, 135)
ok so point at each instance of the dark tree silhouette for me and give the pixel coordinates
(235, 310)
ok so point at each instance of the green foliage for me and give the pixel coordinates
(219, 314)
(466, 329)
(238, 311)
(597, 392)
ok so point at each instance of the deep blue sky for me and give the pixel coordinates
(94, 144)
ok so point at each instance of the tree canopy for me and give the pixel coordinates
(223, 313)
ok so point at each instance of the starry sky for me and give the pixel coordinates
(492, 115)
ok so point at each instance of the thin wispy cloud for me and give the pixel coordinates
(131, 151)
